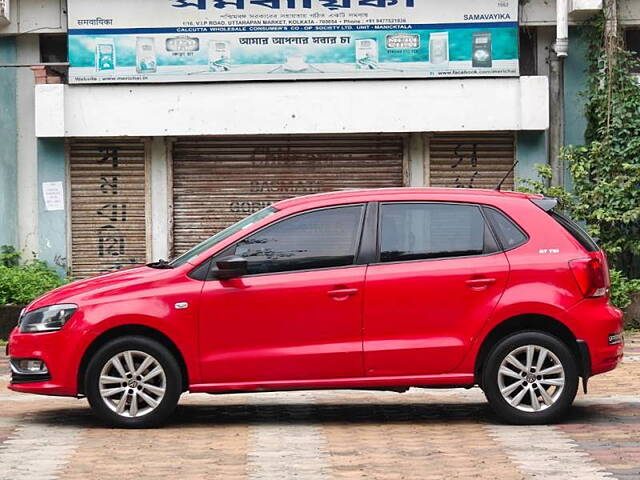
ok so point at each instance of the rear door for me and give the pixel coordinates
(439, 276)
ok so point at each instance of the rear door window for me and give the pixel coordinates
(416, 231)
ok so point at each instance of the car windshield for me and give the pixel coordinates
(218, 237)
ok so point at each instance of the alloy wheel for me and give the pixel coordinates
(531, 378)
(132, 383)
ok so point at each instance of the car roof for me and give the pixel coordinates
(390, 194)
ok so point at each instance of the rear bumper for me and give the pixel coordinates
(597, 321)
(606, 359)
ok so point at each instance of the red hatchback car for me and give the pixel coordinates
(380, 289)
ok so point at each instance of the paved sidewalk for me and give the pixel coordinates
(422, 434)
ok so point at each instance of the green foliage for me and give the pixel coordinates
(622, 288)
(565, 198)
(606, 171)
(9, 256)
(21, 283)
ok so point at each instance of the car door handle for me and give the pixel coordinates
(342, 292)
(480, 282)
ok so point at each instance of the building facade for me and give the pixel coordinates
(141, 160)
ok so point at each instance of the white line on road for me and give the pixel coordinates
(287, 451)
(543, 451)
(37, 451)
(606, 400)
(31, 397)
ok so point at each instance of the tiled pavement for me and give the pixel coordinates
(422, 434)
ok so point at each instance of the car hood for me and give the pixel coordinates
(84, 290)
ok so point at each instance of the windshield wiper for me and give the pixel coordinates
(160, 264)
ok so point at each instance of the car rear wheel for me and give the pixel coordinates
(530, 378)
(133, 382)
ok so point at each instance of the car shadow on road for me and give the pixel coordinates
(327, 414)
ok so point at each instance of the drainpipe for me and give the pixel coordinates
(562, 28)
(557, 55)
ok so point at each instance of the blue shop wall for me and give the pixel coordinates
(52, 225)
(532, 145)
(8, 144)
(575, 84)
(531, 150)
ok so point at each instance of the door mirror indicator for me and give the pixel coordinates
(229, 267)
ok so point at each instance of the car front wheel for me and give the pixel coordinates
(133, 382)
(530, 378)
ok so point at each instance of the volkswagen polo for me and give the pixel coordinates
(370, 289)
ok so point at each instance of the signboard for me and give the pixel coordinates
(212, 40)
(53, 195)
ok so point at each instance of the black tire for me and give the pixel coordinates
(172, 373)
(510, 413)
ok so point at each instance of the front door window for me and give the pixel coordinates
(318, 239)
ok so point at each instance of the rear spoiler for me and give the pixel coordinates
(546, 203)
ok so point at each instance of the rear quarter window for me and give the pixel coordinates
(509, 234)
(577, 232)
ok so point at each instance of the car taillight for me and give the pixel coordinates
(592, 274)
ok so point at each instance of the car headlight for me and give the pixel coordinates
(46, 319)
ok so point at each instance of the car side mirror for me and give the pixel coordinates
(229, 267)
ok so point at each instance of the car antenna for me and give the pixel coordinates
(504, 179)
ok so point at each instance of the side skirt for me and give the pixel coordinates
(392, 383)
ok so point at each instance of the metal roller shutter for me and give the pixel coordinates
(478, 160)
(108, 215)
(218, 181)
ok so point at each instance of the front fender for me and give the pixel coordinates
(179, 328)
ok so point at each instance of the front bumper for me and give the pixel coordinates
(34, 371)
(57, 350)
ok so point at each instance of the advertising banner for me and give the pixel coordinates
(213, 40)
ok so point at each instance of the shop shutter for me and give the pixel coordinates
(471, 160)
(108, 215)
(218, 181)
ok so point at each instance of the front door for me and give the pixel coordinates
(439, 277)
(297, 315)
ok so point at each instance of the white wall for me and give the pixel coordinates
(36, 16)
(293, 107)
(28, 51)
(543, 12)
(629, 12)
(417, 150)
(160, 191)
